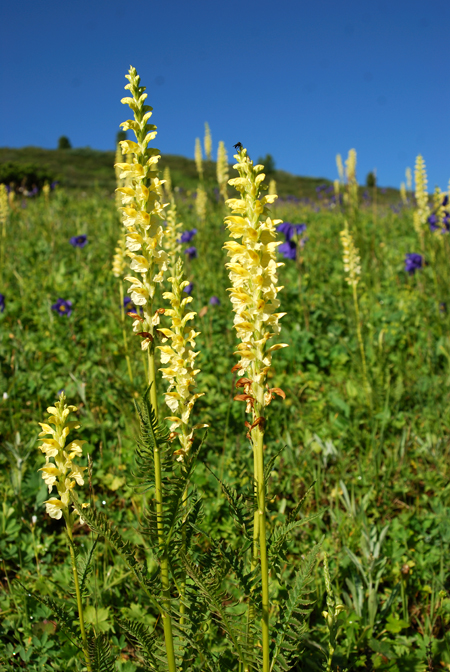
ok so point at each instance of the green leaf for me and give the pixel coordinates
(100, 655)
(395, 625)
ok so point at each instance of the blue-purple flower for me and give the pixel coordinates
(290, 230)
(63, 307)
(413, 262)
(187, 236)
(191, 251)
(188, 289)
(288, 249)
(79, 241)
(2, 303)
(214, 301)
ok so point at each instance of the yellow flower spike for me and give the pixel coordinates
(272, 185)
(198, 157)
(222, 170)
(171, 235)
(408, 175)
(46, 192)
(119, 264)
(62, 473)
(207, 142)
(340, 168)
(201, 203)
(421, 182)
(403, 193)
(4, 214)
(351, 196)
(142, 210)
(350, 258)
(180, 357)
(167, 182)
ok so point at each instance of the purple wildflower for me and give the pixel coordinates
(188, 289)
(191, 251)
(290, 230)
(2, 303)
(187, 236)
(63, 307)
(214, 301)
(288, 249)
(413, 261)
(79, 241)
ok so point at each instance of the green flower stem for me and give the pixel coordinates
(124, 334)
(361, 343)
(166, 617)
(77, 591)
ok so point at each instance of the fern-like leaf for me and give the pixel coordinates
(145, 641)
(100, 654)
(84, 564)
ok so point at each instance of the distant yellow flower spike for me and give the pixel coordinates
(340, 167)
(350, 258)
(201, 202)
(222, 169)
(272, 187)
(62, 473)
(167, 182)
(208, 142)
(198, 157)
(180, 357)
(421, 183)
(403, 193)
(171, 236)
(253, 273)
(408, 176)
(120, 265)
(142, 210)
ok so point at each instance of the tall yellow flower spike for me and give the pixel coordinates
(253, 273)
(207, 142)
(222, 169)
(62, 473)
(340, 167)
(4, 213)
(198, 157)
(272, 188)
(180, 357)
(408, 176)
(351, 196)
(142, 211)
(421, 183)
(201, 202)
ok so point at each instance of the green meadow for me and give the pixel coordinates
(367, 453)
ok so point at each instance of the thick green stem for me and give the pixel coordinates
(361, 344)
(78, 593)
(258, 438)
(164, 564)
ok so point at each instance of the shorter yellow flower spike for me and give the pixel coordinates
(198, 157)
(222, 169)
(180, 357)
(167, 182)
(272, 188)
(46, 192)
(350, 258)
(171, 236)
(208, 142)
(201, 202)
(408, 176)
(119, 265)
(403, 193)
(62, 473)
(421, 180)
(340, 167)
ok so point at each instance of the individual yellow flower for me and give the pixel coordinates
(62, 473)
(142, 210)
(201, 202)
(222, 169)
(350, 258)
(198, 157)
(253, 273)
(207, 142)
(180, 357)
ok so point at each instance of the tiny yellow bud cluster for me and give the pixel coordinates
(171, 235)
(198, 157)
(119, 264)
(62, 473)
(421, 182)
(46, 192)
(4, 206)
(272, 188)
(142, 212)
(253, 273)
(180, 356)
(222, 169)
(350, 258)
(201, 202)
(208, 142)
(167, 182)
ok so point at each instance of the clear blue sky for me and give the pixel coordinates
(299, 79)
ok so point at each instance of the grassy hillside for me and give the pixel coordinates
(84, 168)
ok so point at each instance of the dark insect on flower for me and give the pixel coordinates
(2, 303)
(238, 146)
(79, 241)
(63, 307)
